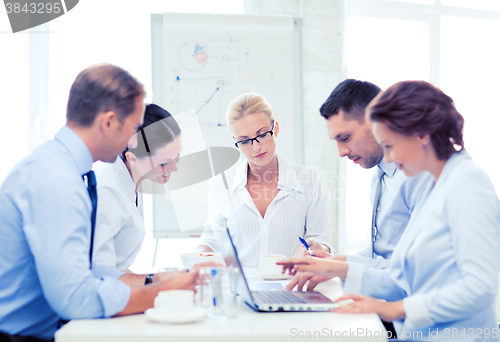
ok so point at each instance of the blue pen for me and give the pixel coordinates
(306, 246)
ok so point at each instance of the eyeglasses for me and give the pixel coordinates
(260, 139)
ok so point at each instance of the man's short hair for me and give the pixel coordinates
(352, 96)
(102, 88)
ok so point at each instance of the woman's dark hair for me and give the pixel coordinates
(158, 130)
(418, 107)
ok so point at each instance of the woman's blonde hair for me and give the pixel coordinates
(248, 103)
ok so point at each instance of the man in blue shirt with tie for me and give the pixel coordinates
(45, 217)
(393, 195)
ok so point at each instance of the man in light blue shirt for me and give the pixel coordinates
(393, 195)
(45, 217)
(396, 196)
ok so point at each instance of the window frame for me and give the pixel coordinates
(387, 9)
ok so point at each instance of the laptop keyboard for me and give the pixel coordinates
(269, 297)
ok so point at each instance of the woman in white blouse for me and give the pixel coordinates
(442, 280)
(120, 228)
(272, 202)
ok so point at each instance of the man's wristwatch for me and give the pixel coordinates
(149, 279)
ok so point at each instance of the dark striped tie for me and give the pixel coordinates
(92, 189)
(376, 203)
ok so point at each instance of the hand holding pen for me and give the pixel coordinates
(306, 246)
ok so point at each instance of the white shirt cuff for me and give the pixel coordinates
(354, 278)
(417, 312)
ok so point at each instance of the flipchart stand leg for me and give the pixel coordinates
(156, 249)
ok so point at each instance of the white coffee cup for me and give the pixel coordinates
(267, 263)
(174, 301)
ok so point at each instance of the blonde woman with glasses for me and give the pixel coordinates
(271, 202)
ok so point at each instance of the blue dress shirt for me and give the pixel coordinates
(445, 267)
(44, 243)
(399, 196)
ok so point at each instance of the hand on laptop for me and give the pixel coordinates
(302, 278)
(322, 254)
(206, 264)
(325, 267)
(178, 280)
(387, 311)
(302, 252)
(325, 255)
(338, 257)
(182, 280)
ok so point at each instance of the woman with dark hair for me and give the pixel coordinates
(442, 280)
(152, 155)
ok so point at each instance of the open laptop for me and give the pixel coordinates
(271, 300)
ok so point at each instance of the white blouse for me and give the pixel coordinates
(297, 210)
(120, 227)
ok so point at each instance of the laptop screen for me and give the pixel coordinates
(238, 281)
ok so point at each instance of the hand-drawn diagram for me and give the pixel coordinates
(192, 57)
(204, 69)
(207, 61)
(219, 83)
(197, 51)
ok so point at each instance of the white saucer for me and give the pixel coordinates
(274, 276)
(195, 315)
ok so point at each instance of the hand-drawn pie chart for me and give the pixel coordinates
(193, 55)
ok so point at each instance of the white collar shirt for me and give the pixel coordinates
(120, 229)
(297, 210)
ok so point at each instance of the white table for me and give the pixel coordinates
(247, 326)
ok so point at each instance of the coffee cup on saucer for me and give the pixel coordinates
(175, 306)
(268, 268)
(178, 301)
